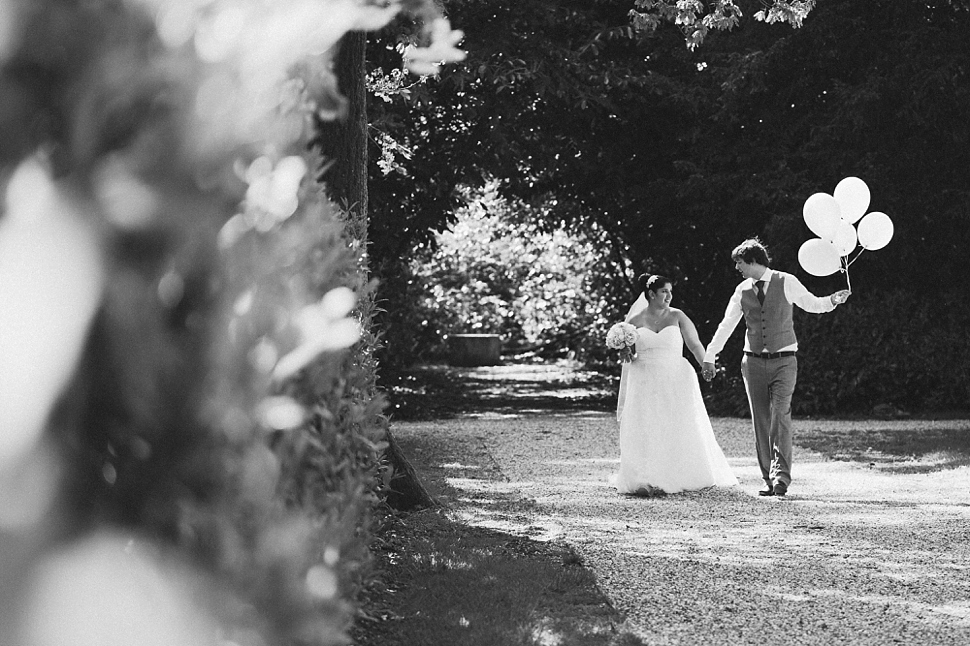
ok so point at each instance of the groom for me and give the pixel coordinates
(769, 366)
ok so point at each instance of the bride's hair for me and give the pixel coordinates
(648, 282)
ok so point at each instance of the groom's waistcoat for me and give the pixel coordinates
(770, 325)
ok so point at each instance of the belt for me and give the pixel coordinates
(771, 355)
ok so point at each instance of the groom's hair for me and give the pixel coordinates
(751, 250)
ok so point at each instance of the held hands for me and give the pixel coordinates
(707, 371)
(840, 297)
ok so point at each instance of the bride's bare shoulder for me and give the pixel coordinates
(681, 316)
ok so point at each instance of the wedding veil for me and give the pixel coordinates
(638, 306)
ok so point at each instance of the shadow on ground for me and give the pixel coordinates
(438, 392)
(445, 582)
(910, 447)
(443, 392)
(519, 541)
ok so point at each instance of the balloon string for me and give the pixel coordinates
(848, 283)
(856, 257)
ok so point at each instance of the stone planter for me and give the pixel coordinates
(474, 349)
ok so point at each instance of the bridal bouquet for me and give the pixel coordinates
(622, 337)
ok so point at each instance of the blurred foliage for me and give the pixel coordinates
(327, 479)
(190, 428)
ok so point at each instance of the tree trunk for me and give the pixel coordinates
(343, 143)
(405, 491)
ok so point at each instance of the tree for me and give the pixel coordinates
(673, 151)
(342, 139)
(343, 143)
(677, 154)
(696, 20)
(508, 112)
(532, 65)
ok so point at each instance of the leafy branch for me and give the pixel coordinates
(696, 19)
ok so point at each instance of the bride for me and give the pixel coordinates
(666, 439)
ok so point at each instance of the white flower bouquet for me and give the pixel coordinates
(623, 337)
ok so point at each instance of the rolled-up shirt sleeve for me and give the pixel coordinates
(798, 294)
(732, 315)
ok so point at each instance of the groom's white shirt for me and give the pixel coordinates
(795, 293)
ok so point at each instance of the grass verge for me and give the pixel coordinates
(444, 582)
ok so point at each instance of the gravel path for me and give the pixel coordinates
(860, 552)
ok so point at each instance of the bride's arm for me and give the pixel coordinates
(691, 339)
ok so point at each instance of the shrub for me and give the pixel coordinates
(190, 422)
(892, 350)
(498, 272)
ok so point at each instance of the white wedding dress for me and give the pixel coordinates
(666, 439)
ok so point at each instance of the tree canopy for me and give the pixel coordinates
(680, 153)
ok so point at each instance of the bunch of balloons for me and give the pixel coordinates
(841, 223)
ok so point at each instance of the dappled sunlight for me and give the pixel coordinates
(535, 390)
(892, 446)
(929, 462)
(459, 465)
(483, 585)
(516, 524)
(957, 613)
(543, 634)
(440, 561)
(604, 461)
(494, 415)
(859, 545)
(744, 463)
(471, 484)
(870, 514)
(730, 532)
(844, 481)
(912, 572)
(599, 461)
(523, 372)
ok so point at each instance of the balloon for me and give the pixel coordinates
(845, 238)
(875, 231)
(822, 215)
(852, 194)
(819, 257)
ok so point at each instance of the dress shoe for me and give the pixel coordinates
(767, 492)
(780, 489)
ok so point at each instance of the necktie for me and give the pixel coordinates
(761, 291)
